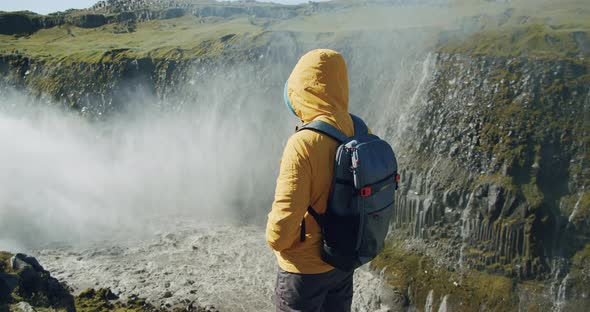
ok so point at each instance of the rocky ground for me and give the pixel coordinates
(225, 267)
(222, 269)
(26, 286)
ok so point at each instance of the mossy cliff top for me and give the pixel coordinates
(185, 37)
(192, 29)
(531, 29)
(129, 12)
(533, 41)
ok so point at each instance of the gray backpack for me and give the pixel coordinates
(360, 205)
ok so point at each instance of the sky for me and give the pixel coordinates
(44, 6)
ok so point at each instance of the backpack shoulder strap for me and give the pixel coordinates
(359, 125)
(327, 129)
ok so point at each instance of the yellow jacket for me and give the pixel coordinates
(317, 90)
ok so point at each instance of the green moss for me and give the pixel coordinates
(4, 262)
(474, 252)
(581, 260)
(186, 37)
(580, 270)
(533, 195)
(541, 41)
(505, 182)
(467, 291)
(582, 207)
(510, 124)
(5, 296)
(92, 300)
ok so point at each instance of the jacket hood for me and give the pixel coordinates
(318, 88)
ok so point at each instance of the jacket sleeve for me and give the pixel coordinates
(292, 197)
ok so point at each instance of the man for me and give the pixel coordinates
(316, 90)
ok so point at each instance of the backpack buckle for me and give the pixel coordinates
(366, 191)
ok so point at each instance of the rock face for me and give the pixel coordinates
(26, 23)
(96, 79)
(99, 87)
(23, 277)
(494, 166)
(22, 23)
(89, 20)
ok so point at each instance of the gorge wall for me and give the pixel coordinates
(495, 170)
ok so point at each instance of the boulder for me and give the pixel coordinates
(22, 276)
(22, 261)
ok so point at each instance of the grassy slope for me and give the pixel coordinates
(532, 40)
(374, 18)
(189, 33)
(540, 28)
(154, 37)
(536, 29)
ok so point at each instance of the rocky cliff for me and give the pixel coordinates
(495, 170)
(99, 87)
(131, 12)
(513, 129)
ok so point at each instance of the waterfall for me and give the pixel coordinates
(560, 296)
(443, 305)
(426, 71)
(423, 84)
(576, 207)
(429, 301)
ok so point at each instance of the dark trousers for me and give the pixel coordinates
(325, 292)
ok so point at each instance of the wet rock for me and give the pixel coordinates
(21, 262)
(25, 307)
(392, 299)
